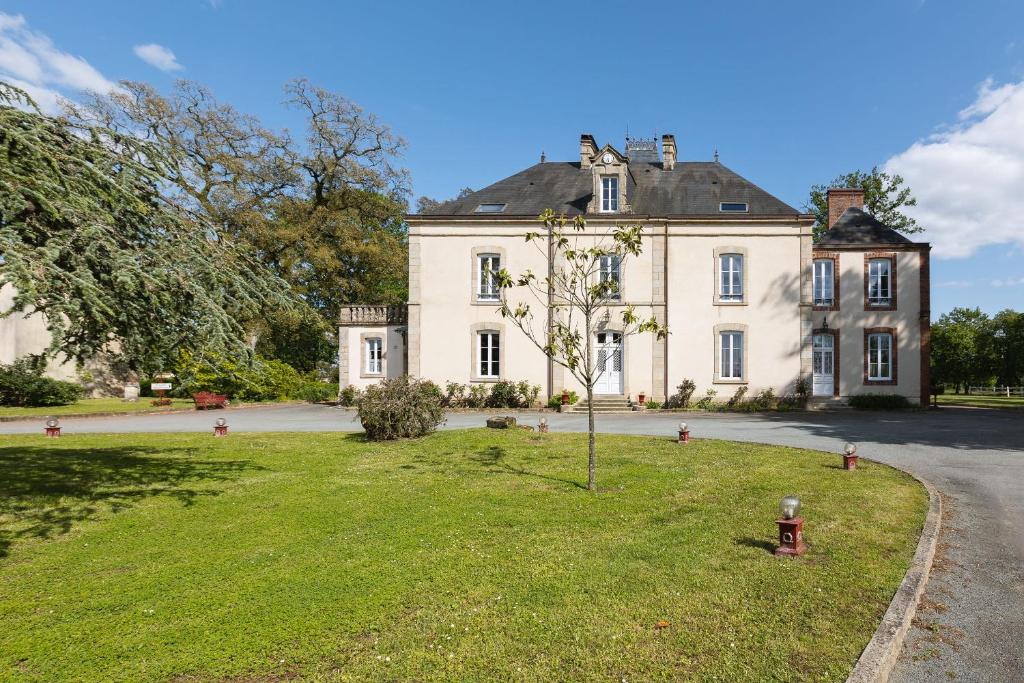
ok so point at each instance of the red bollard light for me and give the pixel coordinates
(53, 428)
(684, 433)
(791, 529)
(850, 457)
(220, 427)
(542, 425)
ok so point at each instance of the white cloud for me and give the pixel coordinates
(1008, 282)
(30, 60)
(958, 284)
(969, 179)
(158, 56)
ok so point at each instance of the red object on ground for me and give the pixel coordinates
(791, 537)
(849, 462)
(220, 430)
(641, 398)
(208, 399)
(565, 397)
(53, 432)
(684, 436)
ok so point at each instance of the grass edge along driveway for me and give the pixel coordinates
(467, 555)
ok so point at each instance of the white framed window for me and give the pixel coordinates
(730, 277)
(880, 282)
(487, 267)
(489, 354)
(731, 355)
(609, 271)
(824, 282)
(374, 356)
(609, 193)
(879, 357)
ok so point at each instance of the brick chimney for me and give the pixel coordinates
(588, 150)
(841, 199)
(668, 152)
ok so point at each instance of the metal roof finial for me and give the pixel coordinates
(716, 155)
(542, 156)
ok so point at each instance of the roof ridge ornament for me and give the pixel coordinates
(716, 155)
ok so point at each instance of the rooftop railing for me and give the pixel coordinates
(373, 315)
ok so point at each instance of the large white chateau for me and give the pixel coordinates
(748, 297)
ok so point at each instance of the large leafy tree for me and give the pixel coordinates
(961, 348)
(90, 239)
(576, 300)
(323, 210)
(885, 197)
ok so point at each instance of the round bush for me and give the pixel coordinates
(400, 407)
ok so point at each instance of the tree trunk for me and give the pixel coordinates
(592, 462)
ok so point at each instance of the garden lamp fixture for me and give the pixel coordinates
(220, 427)
(684, 433)
(850, 456)
(542, 425)
(791, 528)
(52, 427)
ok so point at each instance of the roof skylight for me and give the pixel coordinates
(491, 208)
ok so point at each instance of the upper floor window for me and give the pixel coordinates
(730, 277)
(879, 282)
(609, 269)
(489, 354)
(880, 358)
(610, 193)
(374, 356)
(732, 207)
(731, 355)
(824, 282)
(488, 266)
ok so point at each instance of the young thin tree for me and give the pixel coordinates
(577, 297)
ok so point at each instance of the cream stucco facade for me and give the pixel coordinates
(698, 219)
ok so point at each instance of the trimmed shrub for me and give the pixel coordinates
(454, 395)
(683, 395)
(400, 407)
(879, 402)
(22, 384)
(709, 398)
(556, 400)
(652, 405)
(503, 395)
(349, 396)
(315, 391)
(763, 400)
(737, 398)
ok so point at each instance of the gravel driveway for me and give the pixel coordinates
(971, 622)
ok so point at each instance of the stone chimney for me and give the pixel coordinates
(841, 199)
(668, 152)
(588, 150)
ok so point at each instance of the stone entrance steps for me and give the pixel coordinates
(604, 404)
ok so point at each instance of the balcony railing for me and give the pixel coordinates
(373, 315)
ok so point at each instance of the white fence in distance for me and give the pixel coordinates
(996, 391)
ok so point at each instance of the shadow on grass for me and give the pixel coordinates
(493, 458)
(757, 543)
(44, 492)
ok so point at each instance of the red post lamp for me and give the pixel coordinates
(684, 433)
(642, 398)
(542, 425)
(791, 528)
(53, 428)
(220, 427)
(850, 456)
(565, 397)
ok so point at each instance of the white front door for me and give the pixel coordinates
(823, 365)
(609, 363)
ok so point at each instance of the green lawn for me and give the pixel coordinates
(981, 401)
(472, 555)
(94, 405)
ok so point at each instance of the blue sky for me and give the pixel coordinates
(790, 93)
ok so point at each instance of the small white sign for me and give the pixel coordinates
(161, 386)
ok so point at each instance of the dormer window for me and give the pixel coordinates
(733, 207)
(491, 208)
(609, 194)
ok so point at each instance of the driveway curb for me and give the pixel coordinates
(879, 657)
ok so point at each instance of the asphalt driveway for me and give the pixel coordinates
(971, 623)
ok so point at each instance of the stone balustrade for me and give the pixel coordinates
(352, 316)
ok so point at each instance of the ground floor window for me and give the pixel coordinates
(489, 354)
(880, 355)
(374, 356)
(731, 355)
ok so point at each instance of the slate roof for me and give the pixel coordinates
(692, 188)
(857, 226)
